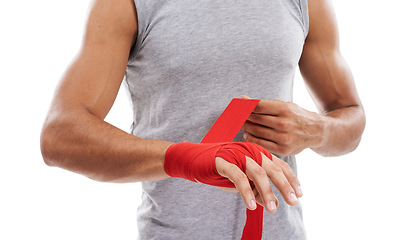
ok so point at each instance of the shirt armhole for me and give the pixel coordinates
(141, 26)
(305, 16)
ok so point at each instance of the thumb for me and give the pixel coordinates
(245, 97)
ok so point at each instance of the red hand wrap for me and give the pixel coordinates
(223, 130)
(196, 161)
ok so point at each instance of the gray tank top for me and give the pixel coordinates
(190, 59)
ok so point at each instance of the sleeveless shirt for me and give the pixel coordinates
(190, 59)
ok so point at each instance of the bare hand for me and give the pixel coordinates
(283, 128)
(278, 171)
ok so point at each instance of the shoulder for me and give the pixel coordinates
(323, 28)
(110, 19)
(322, 20)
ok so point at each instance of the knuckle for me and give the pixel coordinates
(228, 170)
(287, 170)
(282, 123)
(269, 193)
(266, 193)
(246, 126)
(260, 171)
(223, 167)
(283, 164)
(284, 150)
(225, 171)
(255, 117)
(285, 139)
(272, 147)
(285, 109)
(284, 186)
(276, 168)
(281, 151)
(293, 180)
(256, 141)
(222, 171)
(287, 125)
(249, 138)
(260, 131)
(240, 177)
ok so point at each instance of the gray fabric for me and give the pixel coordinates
(190, 59)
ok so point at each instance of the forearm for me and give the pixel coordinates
(342, 131)
(80, 142)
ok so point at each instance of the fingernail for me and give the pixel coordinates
(244, 136)
(293, 197)
(253, 203)
(299, 191)
(272, 205)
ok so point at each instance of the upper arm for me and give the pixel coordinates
(326, 74)
(94, 78)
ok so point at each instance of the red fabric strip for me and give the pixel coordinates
(224, 130)
(230, 121)
(254, 224)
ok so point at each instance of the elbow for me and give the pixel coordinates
(361, 127)
(358, 134)
(355, 145)
(46, 146)
(52, 141)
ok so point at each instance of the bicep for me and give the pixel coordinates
(94, 78)
(326, 73)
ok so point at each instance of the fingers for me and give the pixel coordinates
(291, 177)
(284, 179)
(277, 171)
(260, 178)
(271, 107)
(279, 124)
(280, 149)
(269, 145)
(239, 178)
(267, 133)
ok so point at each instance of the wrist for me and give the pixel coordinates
(322, 125)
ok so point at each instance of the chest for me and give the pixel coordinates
(186, 37)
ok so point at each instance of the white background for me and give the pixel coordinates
(362, 195)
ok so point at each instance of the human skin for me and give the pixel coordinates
(287, 129)
(76, 137)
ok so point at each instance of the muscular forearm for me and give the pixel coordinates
(80, 142)
(74, 136)
(342, 131)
